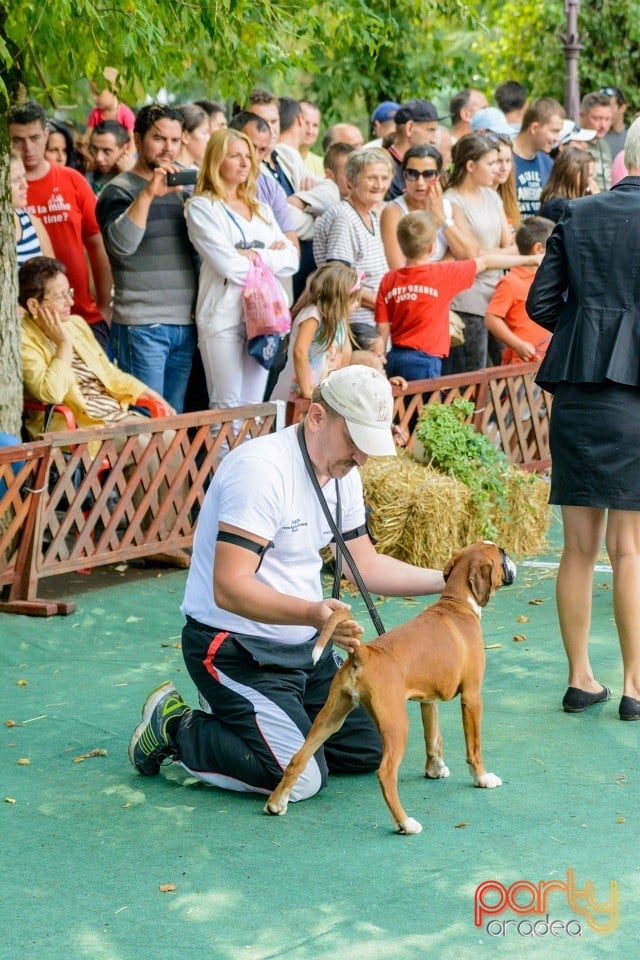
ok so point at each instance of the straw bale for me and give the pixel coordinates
(421, 515)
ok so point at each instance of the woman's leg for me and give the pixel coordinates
(623, 547)
(584, 529)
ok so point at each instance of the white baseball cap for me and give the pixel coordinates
(571, 131)
(363, 397)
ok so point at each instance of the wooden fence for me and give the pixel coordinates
(115, 494)
(105, 495)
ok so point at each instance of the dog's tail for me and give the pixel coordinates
(336, 617)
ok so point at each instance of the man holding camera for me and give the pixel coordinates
(153, 263)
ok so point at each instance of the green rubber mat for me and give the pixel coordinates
(87, 844)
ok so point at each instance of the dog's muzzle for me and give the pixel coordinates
(508, 569)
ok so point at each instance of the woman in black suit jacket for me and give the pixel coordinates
(587, 291)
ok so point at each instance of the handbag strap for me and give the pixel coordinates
(233, 220)
(341, 547)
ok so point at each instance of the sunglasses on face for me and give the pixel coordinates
(412, 176)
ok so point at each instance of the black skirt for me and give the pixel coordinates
(594, 438)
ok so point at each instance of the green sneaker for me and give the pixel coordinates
(150, 743)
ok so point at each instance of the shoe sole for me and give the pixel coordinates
(149, 706)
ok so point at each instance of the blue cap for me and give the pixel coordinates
(385, 111)
(491, 120)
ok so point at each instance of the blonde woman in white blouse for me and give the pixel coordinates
(229, 229)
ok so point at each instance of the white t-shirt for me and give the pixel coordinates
(263, 487)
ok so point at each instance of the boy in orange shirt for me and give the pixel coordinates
(413, 302)
(506, 317)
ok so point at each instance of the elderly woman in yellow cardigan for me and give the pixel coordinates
(62, 360)
(63, 363)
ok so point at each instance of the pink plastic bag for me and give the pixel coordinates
(264, 304)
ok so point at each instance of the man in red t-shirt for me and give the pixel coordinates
(413, 302)
(506, 317)
(64, 201)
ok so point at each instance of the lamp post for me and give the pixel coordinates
(572, 47)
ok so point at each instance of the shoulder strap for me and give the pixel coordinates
(233, 220)
(341, 547)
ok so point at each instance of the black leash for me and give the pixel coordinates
(341, 547)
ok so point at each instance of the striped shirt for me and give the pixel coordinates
(341, 234)
(28, 245)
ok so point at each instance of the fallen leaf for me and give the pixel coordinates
(462, 823)
(537, 602)
(605, 586)
(99, 752)
(24, 761)
(523, 619)
(492, 646)
(167, 887)
(9, 800)
(519, 637)
(9, 723)
(22, 683)
(620, 819)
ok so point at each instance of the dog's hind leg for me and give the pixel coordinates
(393, 723)
(338, 706)
(471, 722)
(435, 766)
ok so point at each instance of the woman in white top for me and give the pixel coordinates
(229, 229)
(470, 189)
(421, 169)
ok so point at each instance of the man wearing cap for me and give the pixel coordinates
(416, 124)
(254, 603)
(383, 122)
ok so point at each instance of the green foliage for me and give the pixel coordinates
(451, 445)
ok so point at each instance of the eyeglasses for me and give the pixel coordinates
(62, 298)
(412, 175)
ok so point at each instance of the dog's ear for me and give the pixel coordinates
(450, 565)
(480, 580)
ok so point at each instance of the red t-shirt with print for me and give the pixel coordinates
(66, 204)
(415, 302)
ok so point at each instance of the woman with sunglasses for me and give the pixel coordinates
(421, 169)
(471, 191)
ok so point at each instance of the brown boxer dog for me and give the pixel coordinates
(435, 656)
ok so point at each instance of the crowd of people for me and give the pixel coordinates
(157, 269)
(134, 250)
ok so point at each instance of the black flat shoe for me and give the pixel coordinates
(629, 709)
(576, 700)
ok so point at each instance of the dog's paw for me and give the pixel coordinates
(488, 780)
(276, 808)
(436, 769)
(409, 826)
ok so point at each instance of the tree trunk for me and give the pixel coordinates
(10, 352)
